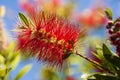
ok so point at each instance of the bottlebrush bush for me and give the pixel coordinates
(52, 39)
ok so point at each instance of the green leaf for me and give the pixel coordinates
(23, 71)
(109, 14)
(2, 59)
(98, 53)
(23, 19)
(2, 70)
(15, 62)
(112, 58)
(10, 51)
(106, 51)
(100, 76)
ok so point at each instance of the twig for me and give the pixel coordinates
(95, 63)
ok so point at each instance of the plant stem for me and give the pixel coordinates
(95, 63)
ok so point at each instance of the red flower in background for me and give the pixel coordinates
(92, 17)
(28, 7)
(59, 7)
(51, 38)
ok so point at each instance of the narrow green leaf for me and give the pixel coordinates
(109, 14)
(106, 51)
(99, 53)
(15, 62)
(112, 58)
(23, 71)
(10, 50)
(23, 19)
(2, 59)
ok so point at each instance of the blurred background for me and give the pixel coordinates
(88, 13)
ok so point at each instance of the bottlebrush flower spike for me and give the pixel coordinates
(49, 37)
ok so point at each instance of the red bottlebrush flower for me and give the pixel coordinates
(51, 38)
(92, 18)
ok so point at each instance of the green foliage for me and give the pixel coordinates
(23, 19)
(23, 71)
(15, 62)
(110, 65)
(112, 58)
(109, 14)
(13, 57)
(110, 62)
(2, 59)
(9, 59)
(100, 55)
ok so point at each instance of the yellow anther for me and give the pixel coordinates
(61, 42)
(53, 39)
